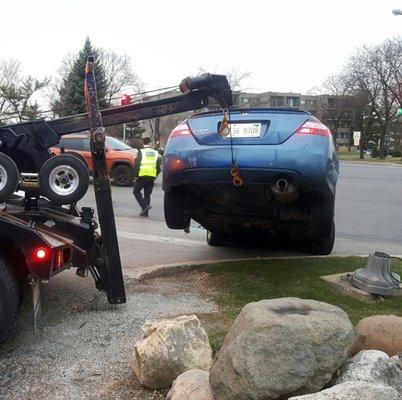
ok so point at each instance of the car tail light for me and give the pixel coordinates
(41, 254)
(313, 127)
(175, 164)
(181, 130)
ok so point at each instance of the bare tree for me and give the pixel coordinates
(119, 74)
(335, 103)
(17, 93)
(376, 71)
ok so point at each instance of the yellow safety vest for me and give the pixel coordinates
(149, 160)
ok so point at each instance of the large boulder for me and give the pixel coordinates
(353, 391)
(168, 348)
(380, 332)
(372, 366)
(281, 347)
(191, 385)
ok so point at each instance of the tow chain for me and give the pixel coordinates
(237, 180)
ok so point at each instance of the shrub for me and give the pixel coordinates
(397, 152)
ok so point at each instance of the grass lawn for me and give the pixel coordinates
(354, 156)
(243, 282)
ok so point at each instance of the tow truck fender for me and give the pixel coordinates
(28, 240)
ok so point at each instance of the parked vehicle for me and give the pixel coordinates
(120, 157)
(288, 169)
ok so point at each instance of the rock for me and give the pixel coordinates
(372, 366)
(353, 391)
(191, 385)
(168, 348)
(281, 347)
(380, 332)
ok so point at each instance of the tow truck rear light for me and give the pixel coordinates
(41, 254)
(313, 127)
(59, 259)
(181, 130)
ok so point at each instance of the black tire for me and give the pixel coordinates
(324, 245)
(77, 155)
(64, 179)
(9, 176)
(10, 300)
(214, 238)
(174, 205)
(122, 175)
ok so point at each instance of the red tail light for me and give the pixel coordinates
(181, 130)
(314, 127)
(41, 254)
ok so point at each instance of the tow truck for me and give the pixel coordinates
(43, 232)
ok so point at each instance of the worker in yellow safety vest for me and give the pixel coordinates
(147, 168)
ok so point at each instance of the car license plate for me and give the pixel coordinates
(245, 130)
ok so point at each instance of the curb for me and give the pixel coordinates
(362, 162)
(158, 271)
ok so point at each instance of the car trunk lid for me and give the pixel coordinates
(248, 127)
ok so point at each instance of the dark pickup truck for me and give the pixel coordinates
(43, 232)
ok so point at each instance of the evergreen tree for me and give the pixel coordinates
(71, 99)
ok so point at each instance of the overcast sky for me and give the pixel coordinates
(286, 45)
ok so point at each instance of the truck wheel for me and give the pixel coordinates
(122, 175)
(64, 179)
(10, 300)
(324, 245)
(214, 238)
(174, 205)
(8, 177)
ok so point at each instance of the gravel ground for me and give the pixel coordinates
(83, 347)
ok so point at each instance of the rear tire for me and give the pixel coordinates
(214, 239)
(323, 246)
(9, 176)
(122, 175)
(64, 179)
(10, 300)
(174, 205)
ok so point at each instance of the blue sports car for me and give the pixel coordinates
(252, 172)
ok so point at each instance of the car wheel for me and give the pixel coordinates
(10, 300)
(321, 218)
(324, 245)
(214, 238)
(174, 205)
(64, 179)
(8, 177)
(122, 175)
(78, 156)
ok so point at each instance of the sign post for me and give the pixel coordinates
(356, 138)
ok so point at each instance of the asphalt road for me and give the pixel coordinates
(368, 218)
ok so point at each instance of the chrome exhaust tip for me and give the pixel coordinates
(282, 184)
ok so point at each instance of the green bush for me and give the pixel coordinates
(397, 152)
(375, 153)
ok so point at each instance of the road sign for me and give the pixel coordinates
(399, 112)
(356, 138)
